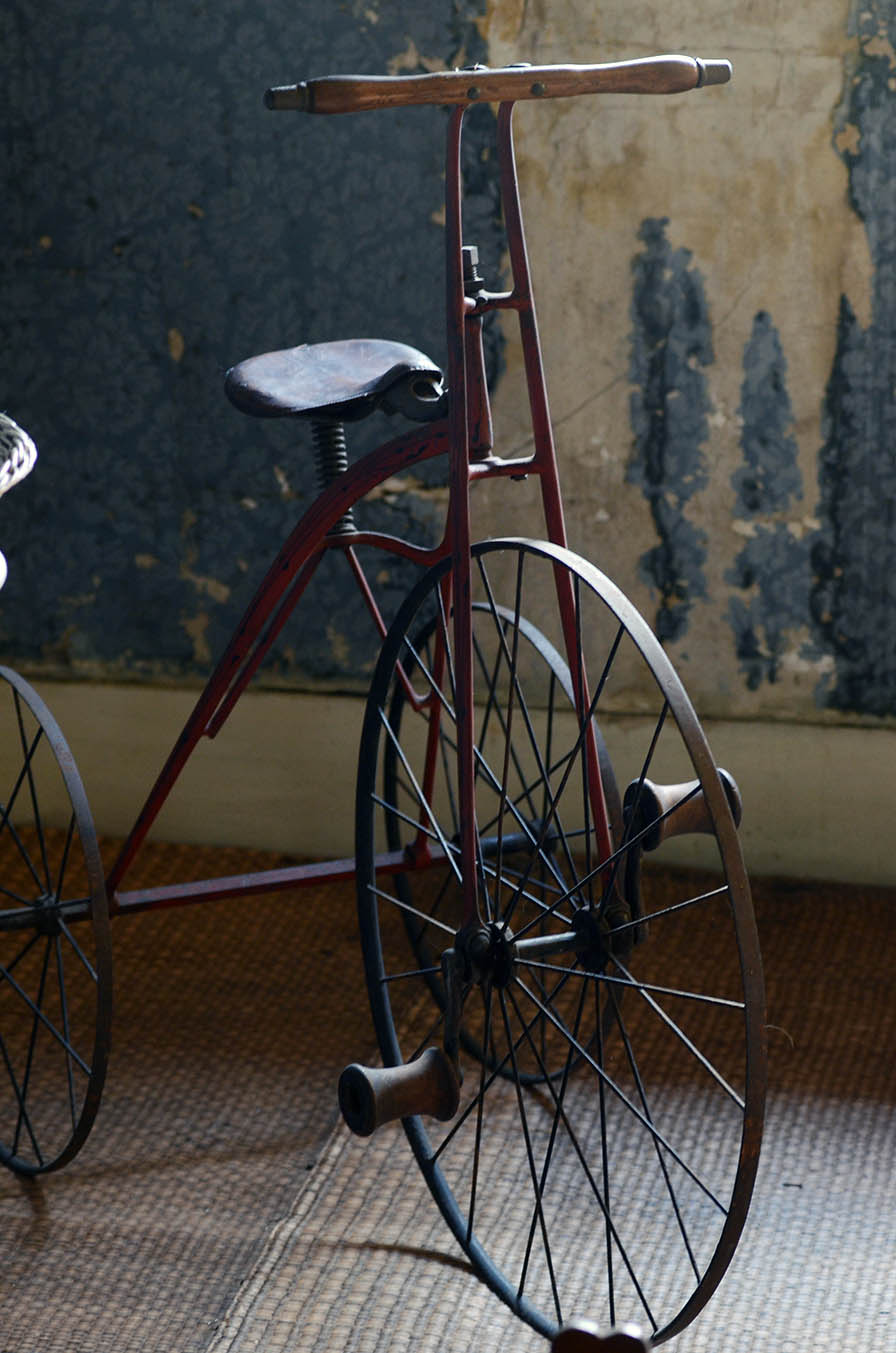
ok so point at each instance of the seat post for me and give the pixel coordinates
(331, 460)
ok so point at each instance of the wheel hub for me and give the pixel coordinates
(594, 944)
(47, 915)
(491, 954)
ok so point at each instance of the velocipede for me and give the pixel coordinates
(589, 1061)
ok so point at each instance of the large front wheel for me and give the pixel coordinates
(604, 1152)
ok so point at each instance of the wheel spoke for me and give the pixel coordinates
(421, 798)
(79, 952)
(6, 822)
(393, 811)
(29, 1060)
(491, 689)
(559, 1097)
(632, 984)
(446, 746)
(445, 637)
(661, 1160)
(45, 1021)
(577, 749)
(63, 863)
(532, 784)
(413, 911)
(30, 943)
(507, 726)
(561, 1117)
(23, 1117)
(493, 782)
(624, 1099)
(582, 684)
(678, 907)
(533, 1171)
(412, 972)
(604, 1157)
(15, 897)
(682, 1037)
(537, 853)
(37, 820)
(504, 656)
(614, 861)
(627, 840)
(540, 781)
(66, 1029)
(481, 764)
(496, 1071)
(512, 876)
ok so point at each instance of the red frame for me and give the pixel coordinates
(465, 436)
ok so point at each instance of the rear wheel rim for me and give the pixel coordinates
(55, 960)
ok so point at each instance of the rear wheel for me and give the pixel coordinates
(55, 964)
(604, 1152)
(505, 644)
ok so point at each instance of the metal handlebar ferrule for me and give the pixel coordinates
(713, 72)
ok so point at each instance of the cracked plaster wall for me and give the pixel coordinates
(730, 249)
(717, 322)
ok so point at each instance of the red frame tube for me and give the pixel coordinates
(307, 539)
(466, 436)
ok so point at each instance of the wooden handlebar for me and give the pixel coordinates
(506, 84)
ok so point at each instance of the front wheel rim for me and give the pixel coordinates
(623, 1294)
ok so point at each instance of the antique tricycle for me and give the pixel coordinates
(587, 1049)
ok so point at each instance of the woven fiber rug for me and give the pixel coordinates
(231, 1023)
(218, 1207)
(365, 1263)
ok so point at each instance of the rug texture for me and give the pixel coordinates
(219, 1207)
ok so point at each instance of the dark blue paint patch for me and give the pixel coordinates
(157, 231)
(671, 344)
(853, 599)
(772, 568)
(769, 478)
(773, 572)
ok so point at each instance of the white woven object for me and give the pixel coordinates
(17, 453)
(17, 456)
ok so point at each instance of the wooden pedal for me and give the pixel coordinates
(370, 1096)
(658, 818)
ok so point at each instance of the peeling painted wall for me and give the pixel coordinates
(719, 326)
(715, 273)
(159, 225)
(769, 576)
(671, 346)
(853, 556)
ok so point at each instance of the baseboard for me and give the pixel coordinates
(818, 801)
